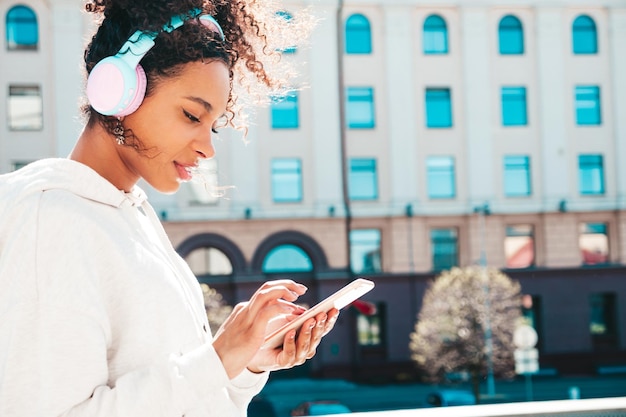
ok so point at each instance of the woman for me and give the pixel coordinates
(99, 315)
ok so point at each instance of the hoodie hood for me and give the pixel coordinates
(64, 174)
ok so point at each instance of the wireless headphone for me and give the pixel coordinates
(116, 86)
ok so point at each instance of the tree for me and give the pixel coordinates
(459, 306)
(216, 309)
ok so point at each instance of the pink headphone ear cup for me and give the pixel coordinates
(107, 85)
(140, 93)
(115, 88)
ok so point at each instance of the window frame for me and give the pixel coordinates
(438, 108)
(520, 165)
(521, 231)
(589, 231)
(511, 35)
(288, 50)
(358, 35)
(290, 246)
(372, 245)
(452, 239)
(364, 96)
(17, 24)
(202, 255)
(591, 174)
(372, 330)
(584, 35)
(587, 115)
(440, 168)
(434, 32)
(514, 106)
(371, 175)
(285, 111)
(282, 177)
(608, 316)
(38, 124)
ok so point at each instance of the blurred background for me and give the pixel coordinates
(420, 136)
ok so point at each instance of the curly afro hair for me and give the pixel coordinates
(254, 30)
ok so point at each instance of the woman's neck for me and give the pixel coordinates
(98, 149)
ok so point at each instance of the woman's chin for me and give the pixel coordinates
(169, 188)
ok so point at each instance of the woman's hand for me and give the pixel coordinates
(298, 346)
(239, 338)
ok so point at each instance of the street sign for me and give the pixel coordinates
(525, 337)
(526, 361)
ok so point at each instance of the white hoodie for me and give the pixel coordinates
(98, 314)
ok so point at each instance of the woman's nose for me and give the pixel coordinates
(204, 147)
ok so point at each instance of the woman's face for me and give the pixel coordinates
(175, 123)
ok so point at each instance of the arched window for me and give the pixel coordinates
(212, 254)
(22, 31)
(209, 261)
(584, 35)
(435, 37)
(287, 258)
(358, 35)
(511, 36)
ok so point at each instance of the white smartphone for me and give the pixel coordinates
(338, 300)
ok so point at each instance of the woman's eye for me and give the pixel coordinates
(191, 116)
(214, 130)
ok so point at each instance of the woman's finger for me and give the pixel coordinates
(305, 340)
(271, 294)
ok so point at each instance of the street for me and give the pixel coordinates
(284, 395)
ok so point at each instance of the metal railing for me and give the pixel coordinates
(597, 407)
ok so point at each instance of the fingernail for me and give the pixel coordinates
(321, 323)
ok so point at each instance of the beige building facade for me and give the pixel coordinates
(474, 132)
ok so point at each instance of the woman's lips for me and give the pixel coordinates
(183, 171)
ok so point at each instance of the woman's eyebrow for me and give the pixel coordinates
(207, 106)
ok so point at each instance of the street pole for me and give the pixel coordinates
(342, 134)
(344, 174)
(529, 386)
(491, 386)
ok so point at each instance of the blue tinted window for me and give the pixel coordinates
(516, 176)
(22, 29)
(286, 180)
(362, 181)
(284, 111)
(438, 108)
(360, 108)
(511, 36)
(591, 174)
(514, 106)
(435, 39)
(588, 110)
(287, 258)
(287, 16)
(365, 250)
(444, 244)
(440, 177)
(358, 35)
(584, 36)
